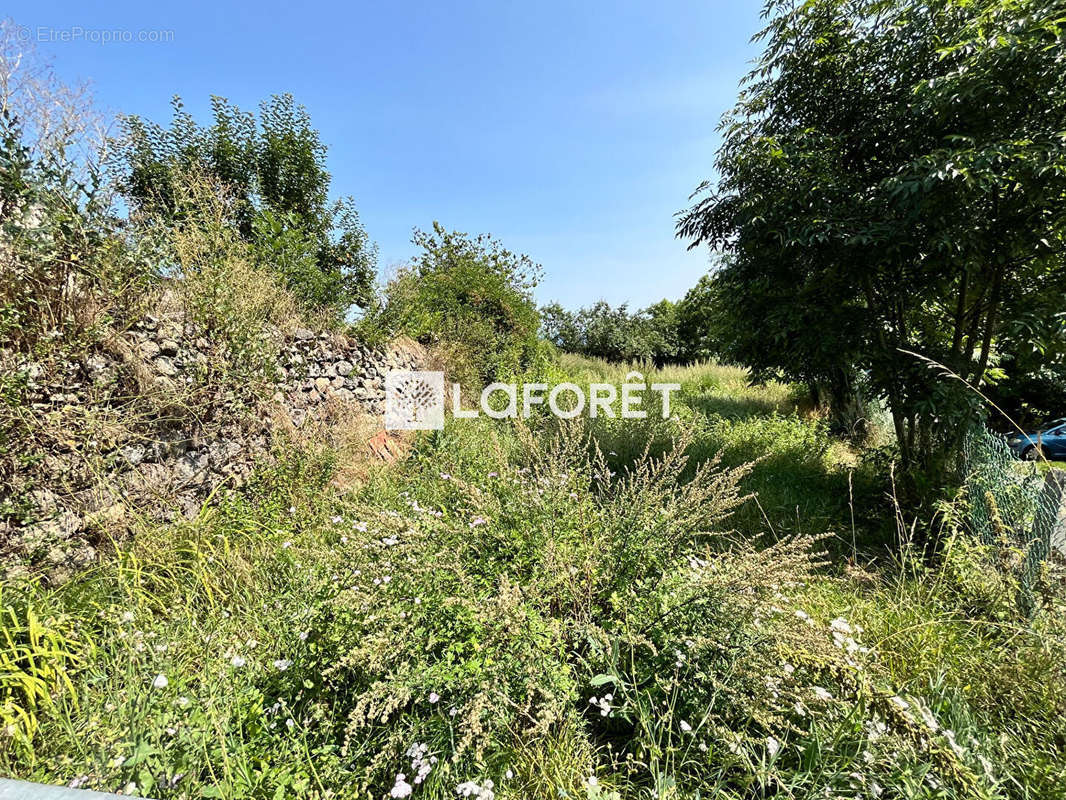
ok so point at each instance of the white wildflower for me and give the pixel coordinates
(685, 727)
(401, 788)
(603, 703)
(840, 625)
(282, 664)
(773, 747)
(433, 697)
(238, 661)
(160, 681)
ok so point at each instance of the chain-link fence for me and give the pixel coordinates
(1013, 504)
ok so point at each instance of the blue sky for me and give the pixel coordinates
(571, 131)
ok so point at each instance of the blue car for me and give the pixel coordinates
(1049, 441)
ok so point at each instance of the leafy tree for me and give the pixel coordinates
(892, 183)
(473, 297)
(275, 168)
(561, 328)
(615, 334)
(697, 321)
(659, 322)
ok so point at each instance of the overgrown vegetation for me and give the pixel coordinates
(891, 184)
(541, 608)
(728, 602)
(472, 298)
(273, 167)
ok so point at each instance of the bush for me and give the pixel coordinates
(232, 301)
(473, 298)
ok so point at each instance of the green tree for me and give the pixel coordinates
(697, 321)
(893, 181)
(275, 167)
(561, 328)
(471, 296)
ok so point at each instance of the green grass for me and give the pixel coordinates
(484, 598)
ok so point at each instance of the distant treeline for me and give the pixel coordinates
(665, 333)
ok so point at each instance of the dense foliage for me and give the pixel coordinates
(616, 334)
(273, 167)
(891, 192)
(519, 613)
(472, 297)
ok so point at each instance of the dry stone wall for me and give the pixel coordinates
(146, 439)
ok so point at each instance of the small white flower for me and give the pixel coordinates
(821, 693)
(685, 727)
(509, 774)
(127, 616)
(238, 661)
(290, 723)
(773, 747)
(303, 635)
(433, 697)
(160, 681)
(337, 520)
(286, 545)
(401, 787)
(592, 781)
(840, 625)
(282, 664)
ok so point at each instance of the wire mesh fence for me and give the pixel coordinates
(1013, 504)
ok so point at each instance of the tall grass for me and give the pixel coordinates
(542, 610)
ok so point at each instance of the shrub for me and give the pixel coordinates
(231, 300)
(473, 298)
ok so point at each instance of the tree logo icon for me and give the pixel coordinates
(414, 401)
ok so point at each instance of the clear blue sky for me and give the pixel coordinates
(571, 131)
